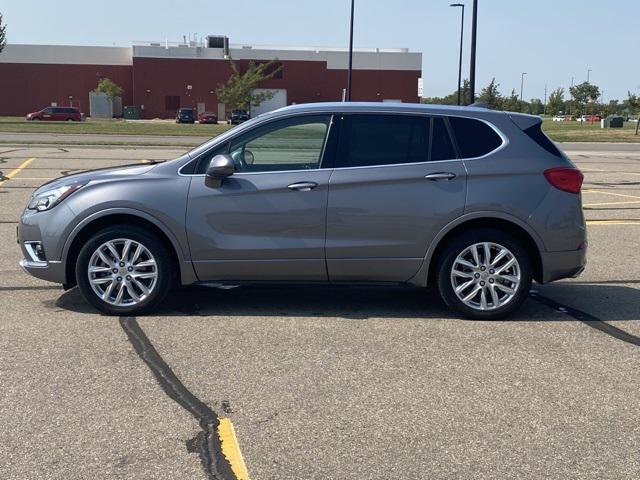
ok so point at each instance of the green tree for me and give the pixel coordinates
(512, 102)
(584, 94)
(632, 104)
(3, 34)
(536, 107)
(490, 96)
(108, 86)
(452, 98)
(238, 92)
(556, 103)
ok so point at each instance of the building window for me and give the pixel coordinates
(172, 102)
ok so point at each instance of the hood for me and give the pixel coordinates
(99, 174)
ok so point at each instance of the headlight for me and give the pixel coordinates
(50, 198)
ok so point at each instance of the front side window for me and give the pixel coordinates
(289, 144)
(371, 140)
(474, 138)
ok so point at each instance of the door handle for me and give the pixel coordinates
(436, 177)
(303, 186)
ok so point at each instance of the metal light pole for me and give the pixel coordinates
(472, 67)
(461, 44)
(350, 54)
(588, 74)
(522, 84)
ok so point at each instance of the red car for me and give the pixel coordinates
(60, 114)
(207, 117)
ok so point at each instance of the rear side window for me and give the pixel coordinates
(441, 146)
(474, 138)
(371, 140)
(536, 134)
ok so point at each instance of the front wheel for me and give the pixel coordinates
(123, 270)
(484, 274)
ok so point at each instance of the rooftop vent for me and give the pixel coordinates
(219, 41)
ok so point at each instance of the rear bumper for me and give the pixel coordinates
(558, 265)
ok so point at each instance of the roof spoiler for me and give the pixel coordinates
(524, 120)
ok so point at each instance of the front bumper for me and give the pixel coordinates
(558, 265)
(49, 271)
(47, 230)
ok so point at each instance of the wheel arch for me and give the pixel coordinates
(519, 229)
(96, 222)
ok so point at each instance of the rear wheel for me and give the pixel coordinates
(123, 270)
(484, 274)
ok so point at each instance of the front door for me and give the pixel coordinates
(396, 183)
(267, 220)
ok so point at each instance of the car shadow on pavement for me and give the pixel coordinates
(605, 302)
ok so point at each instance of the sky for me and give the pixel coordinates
(552, 40)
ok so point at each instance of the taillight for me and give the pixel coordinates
(565, 179)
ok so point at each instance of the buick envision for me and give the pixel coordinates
(473, 201)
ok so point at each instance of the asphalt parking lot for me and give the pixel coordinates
(324, 383)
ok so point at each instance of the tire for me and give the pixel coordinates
(479, 276)
(69, 119)
(36, 119)
(151, 271)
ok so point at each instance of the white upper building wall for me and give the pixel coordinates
(66, 54)
(363, 59)
(372, 59)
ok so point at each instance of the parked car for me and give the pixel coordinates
(558, 118)
(589, 118)
(207, 117)
(60, 114)
(382, 194)
(237, 117)
(185, 115)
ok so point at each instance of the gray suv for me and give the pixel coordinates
(473, 201)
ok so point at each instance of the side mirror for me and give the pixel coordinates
(221, 167)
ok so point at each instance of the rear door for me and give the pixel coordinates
(397, 182)
(59, 114)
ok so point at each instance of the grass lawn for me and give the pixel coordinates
(558, 131)
(587, 132)
(112, 127)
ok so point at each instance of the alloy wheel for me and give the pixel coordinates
(122, 272)
(485, 276)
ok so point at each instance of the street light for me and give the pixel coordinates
(472, 65)
(461, 43)
(350, 54)
(588, 73)
(522, 84)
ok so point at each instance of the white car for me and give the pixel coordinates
(558, 118)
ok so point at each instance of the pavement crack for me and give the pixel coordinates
(588, 319)
(207, 443)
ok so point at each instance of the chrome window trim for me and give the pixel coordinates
(503, 137)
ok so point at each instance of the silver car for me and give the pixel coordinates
(473, 201)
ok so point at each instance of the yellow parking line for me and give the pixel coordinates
(609, 203)
(231, 449)
(16, 171)
(613, 222)
(611, 193)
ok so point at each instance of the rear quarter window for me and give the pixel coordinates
(474, 137)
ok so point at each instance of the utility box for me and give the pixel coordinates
(131, 112)
(612, 122)
(616, 122)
